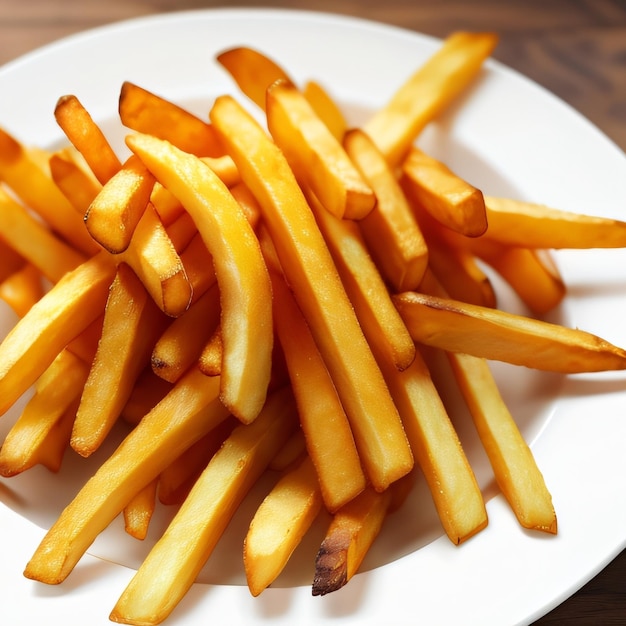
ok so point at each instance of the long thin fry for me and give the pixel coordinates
(312, 275)
(175, 560)
(493, 334)
(185, 415)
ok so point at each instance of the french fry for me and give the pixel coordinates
(493, 334)
(210, 360)
(390, 229)
(148, 391)
(198, 265)
(87, 137)
(115, 212)
(351, 533)
(138, 512)
(56, 391)
(246, 320)
(329, 439)
(78, 185)
(253, 72)
(37, 338)
(36, 189)
(292, 452)
(316, 157)
(22, 289)
(312, 275)
(531, 273)
(11, 260)
(326, 109)
(181, 343)
(34, 242)
(428, 92)
(183, 417)
(365, 287)
(532, 225)
(280, 522)
(513, 463)
(132, 323)
(449, 199)
(154, 259)
(146, 112)
(161, 581)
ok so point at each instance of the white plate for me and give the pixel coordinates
(507, 136)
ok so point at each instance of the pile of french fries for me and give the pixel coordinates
(265, 296)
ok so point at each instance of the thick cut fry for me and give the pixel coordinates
(531, 273)
(428, 92)
(512, 461)
(198, 264)
(310, 272)
(60, 316)
(449, 199)
(22, 289)
(252, 71)
(492, 334)
(326, 109)
(161, 581)
(132, 323)
(390, 229)
(279, 524)
(36, 189)
(146, 112)
(138, 512)
(87, 137)
(115, 212)
(530, 225)
(78, 185)
(34, 242)
(245, 291)
(329, 440)
(183, 417)
(56, 391)
(365, 287)
(351, 533)
(181, 343)
(210, 360)
(316, 157)
(154, 258)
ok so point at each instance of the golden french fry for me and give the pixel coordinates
(154, 259)
(180, 345)
(161, 582)
(253, 72)
(183, 417)
(198, 265)
(78, 185)
(390, 229)
(449, 199)
(22, 289)
(115, 212)
(245, 291)
(146, 112)
(351, 533)
(87, 137)
(148, 391)
(138, 512)
(57, 390)
(132, 323)
(279, 524)
(531, 273)
(314, 154)
(312, 275)
(326, 108)
(428, 92)
(493, 334)
(34, 242)
(36, 189)
(210, 360)
(292, 452)
(365, 287)
(531, 225)
(11, 260)
(60, 316)
(329, 439)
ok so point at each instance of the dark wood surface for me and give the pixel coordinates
(575, 48)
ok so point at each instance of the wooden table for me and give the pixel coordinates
(575, 49)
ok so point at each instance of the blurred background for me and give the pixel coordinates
(574, 48)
